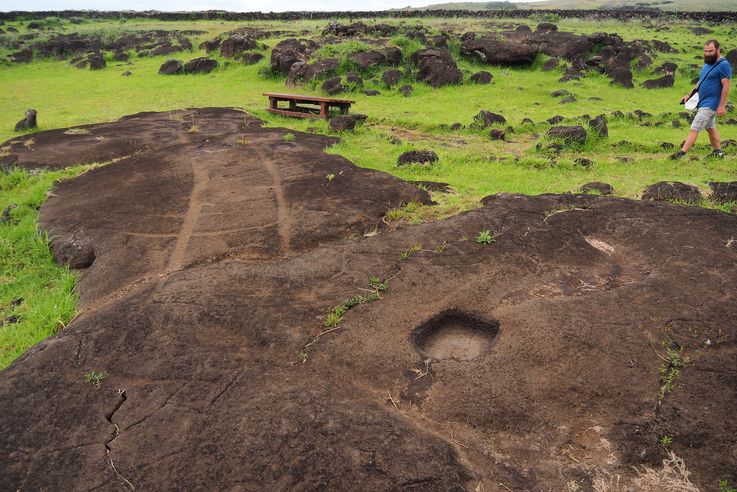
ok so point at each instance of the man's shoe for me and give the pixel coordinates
(677, 155)
(717, 154)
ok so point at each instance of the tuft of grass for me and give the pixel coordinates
(675, 360)
(485, 237)
(335, 315)
(288, 137)
(95, 378)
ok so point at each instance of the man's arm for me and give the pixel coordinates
(722, 109)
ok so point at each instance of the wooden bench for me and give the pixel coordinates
(316, 107)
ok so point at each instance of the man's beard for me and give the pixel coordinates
(710, 59)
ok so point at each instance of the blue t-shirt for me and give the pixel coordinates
(710, 89)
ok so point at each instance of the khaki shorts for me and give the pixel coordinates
(705, 119)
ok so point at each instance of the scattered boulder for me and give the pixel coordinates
(482, 77)
(303, 71)
(211, 45)
(332, 86)
(236, 45)
(251, 58)
(672, 190)
(366, 59)
(667, 68)
(391, 77)
(568, 100)
(393, 56)
(75, 251)
(6, 216)
(623, 77)
(731, 57)
(583, 162)
(599, 126)
(598, 187)
(550, 64)
(433, 186)
(370, 92)
(354, 78)
(406, 90)
(171, 67)
(486, 118)
(127, 73)
(547, 26)
(22, 56)
(165, 49)
(342, 123)
(723, 192)
(495, 51)
(498, 134)
(417, 157)
(570, 134)
(287, 53)
(440, 41)
(121, 56)
(11, 29)
(560, 93)
(661, 83)
(456, 126)
(200, 65)
(555, 119)
(436, 67)
(27, 123)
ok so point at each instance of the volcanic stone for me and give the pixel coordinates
(482, 77)
(672, 190)
(342, 123)
(200, 65)
(27, 123)
(597, 186)
(171, 67)
(570, 134)
(417, 157)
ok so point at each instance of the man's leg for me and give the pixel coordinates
(690, 140)
(714, 138)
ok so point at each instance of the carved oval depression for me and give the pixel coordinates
(456, 335)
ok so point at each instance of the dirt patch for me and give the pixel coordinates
(218, 253)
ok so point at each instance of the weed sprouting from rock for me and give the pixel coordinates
(95, 378)
(675, 360)
(485, 237)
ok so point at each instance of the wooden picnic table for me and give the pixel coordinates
(316, 107)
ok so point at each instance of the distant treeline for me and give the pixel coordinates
(615, 14)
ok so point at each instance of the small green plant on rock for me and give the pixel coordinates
(666, 441)
(330, 177)
(724, 487)
(288, 137)
(95, 378)
(485, 237)
(408, 252)
(675, 360)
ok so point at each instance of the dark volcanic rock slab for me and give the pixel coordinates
(218, 254)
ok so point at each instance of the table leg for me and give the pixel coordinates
(324, 110)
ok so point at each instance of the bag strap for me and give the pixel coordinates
(707, 73)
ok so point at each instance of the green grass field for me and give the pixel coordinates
(473, 164)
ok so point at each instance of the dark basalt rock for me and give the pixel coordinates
(723, 192)
(75, 251)
(482, 77)
(391, 77)
(165, 49)
(494, 51)
(550, 64)
(547, 26)
(393, 56)
(486, 118)
(251, 58)
(303, 71)
(366, 59)
(623, 77)
(236, 45)
(332, 86)
(126, 74)
(200, 65)
(436, 67)
(406, 90)
(22, 56)
(599, 126)
(672, 190)
(211, 45)
(597, 186)
(555, 120)
(121, 56)
(498, 134)
(171, 67)
(583, 162)
(342, 123)
(287, 53)
(417, 157)
(667, 68)
(27, 123)
(354, 78)
(570, 134)
(370, 92)
(661, 83)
